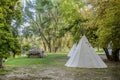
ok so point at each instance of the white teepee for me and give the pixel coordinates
(72, 50)
(85, 56)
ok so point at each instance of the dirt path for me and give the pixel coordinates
(36, 73)
(57, 73)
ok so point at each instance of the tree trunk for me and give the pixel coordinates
(41, 33)
(14, 55)
(98, 48)
(115, 55)
(47, 42)
(44, 44)
(49, 48)
(109, 57)
(1, 62)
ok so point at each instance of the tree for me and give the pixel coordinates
(100, 22)
(108, 26)
(8, 44)
(73, 18)
(45, 21)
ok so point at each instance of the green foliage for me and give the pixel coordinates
(98, 19)
(16, 20)
(92, 36)
(45, 23)
(73, 18)
(1, 16)
(8, 43)
(70, 10)
(26, 47)
(108, 23)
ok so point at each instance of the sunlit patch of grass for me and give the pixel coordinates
(51, 59)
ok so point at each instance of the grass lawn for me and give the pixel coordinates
(50, 60)
(52, 68)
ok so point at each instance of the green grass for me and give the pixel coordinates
(3, 71)
(56, 60)
(51, 59)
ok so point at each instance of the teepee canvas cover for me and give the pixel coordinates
(85, 56)
(72, 50)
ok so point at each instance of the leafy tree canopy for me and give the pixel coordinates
(7, 42)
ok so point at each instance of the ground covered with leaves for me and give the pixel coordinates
(52, 68)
